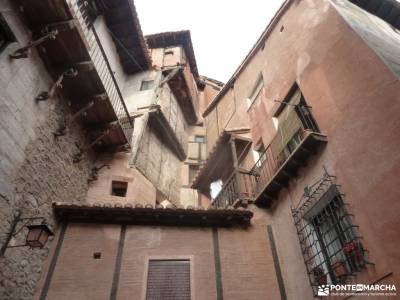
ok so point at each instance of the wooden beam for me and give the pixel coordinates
(57, 26)
(170, 75)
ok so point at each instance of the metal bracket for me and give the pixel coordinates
(14, 231)
(71, 72)
(24, 51)
(295, 105)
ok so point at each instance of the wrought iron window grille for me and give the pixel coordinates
(330, 242)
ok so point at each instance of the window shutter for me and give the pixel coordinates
(168, 280)
(288, 125)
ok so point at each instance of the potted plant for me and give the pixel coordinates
(355, 253)
(339, 269)
(320, 276)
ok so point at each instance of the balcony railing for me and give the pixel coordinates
(239, 186)
(298, 137)
(102, 65)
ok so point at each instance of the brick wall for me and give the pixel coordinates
(247, 265)
(247, 269)
(35, 168)
(354, 99)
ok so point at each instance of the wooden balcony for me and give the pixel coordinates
(268, 176)
(184, 88)
(166, 133)
(274, 172)
(297, 139)
(182, 77)
(237, 189)
(76, 60)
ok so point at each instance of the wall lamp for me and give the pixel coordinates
(38, 233)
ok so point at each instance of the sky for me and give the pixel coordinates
(222, 31)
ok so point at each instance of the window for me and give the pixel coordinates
(256, 92)
(169, 52)
(292, 119)
(193, 169)
(168, 280)
(329, 241)
(275, 121)
(6, 36)
(215, 188)
(119, 188)
(146, 85)
(199, 139)
(259, 154)
(305, 116)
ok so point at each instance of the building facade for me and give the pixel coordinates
(321, 158)
(160, 183)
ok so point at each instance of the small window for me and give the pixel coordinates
(256, 92)
(6, 35)
(259, 154)
(216, 188)
(168, 280)
(147, 85)
(275, 121)
(97, 255)
(199, 139)
(119, 188)
(193, 169)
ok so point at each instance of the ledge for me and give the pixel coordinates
(148, 215)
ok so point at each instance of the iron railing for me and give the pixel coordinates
(247, 185)
(329, 241)
(239, 186)
(85, 18)
(291, 133)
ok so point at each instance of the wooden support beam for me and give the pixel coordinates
(62, 129)
(170, 75)
(24, 51)
(78, 156)
(83, 66)
(70, 72)
(100, 97)
(57, 26)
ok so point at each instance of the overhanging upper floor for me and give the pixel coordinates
(71, 48)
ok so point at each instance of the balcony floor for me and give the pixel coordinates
(71, 48)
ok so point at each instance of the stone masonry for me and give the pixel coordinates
(35, 167)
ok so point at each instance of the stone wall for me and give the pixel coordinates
(35, 168)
